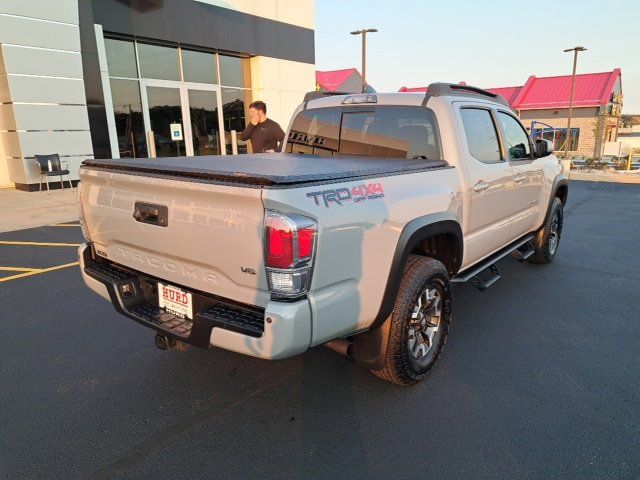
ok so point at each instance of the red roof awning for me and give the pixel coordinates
(591, 90)
(330, 81)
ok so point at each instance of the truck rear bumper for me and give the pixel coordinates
(280, 330)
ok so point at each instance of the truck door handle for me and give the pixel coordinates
(480, 186)
(519, 178)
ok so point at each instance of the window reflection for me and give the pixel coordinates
(232, 71)
(203, 110)
(158, 62)
(165, 109)
(127, 109)
(199, 67)
(121, 58)
(234, 104)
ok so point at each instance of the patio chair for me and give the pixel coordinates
(50, 167)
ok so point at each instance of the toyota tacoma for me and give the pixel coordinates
(351, 237)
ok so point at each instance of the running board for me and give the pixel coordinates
(489, 264)
(523, 253)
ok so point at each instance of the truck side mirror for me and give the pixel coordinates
(543, 147)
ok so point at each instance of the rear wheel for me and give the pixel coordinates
(419, 322)
(548, 238)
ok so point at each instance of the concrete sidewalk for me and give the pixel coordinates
(20, 209)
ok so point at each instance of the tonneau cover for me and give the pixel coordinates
(268, 169)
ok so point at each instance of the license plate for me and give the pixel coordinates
(175, 300)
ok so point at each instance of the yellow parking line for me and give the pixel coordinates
(39, 244)
(17, 269)
(38, 272)
(65, 225)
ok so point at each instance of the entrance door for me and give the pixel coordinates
(192, 105)
(205, 120)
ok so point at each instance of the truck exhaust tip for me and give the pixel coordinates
(343, 347)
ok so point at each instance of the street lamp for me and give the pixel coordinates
(575, 51)
(364, 32)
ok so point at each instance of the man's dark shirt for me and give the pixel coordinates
(264, 136)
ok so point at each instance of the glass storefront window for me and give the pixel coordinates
(158, 62)
(231, 71)
(127, 108)
(199, 67)
(203, 113)
(235, 103)
(121, 58)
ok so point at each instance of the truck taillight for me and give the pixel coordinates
(289, 247)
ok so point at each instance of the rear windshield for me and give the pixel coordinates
(381, 131)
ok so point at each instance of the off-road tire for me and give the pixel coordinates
(400, 366)
(544, 251)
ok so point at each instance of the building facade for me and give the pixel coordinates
(542, 104)
(118, 78)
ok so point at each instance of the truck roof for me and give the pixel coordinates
(449, 90)
(268, 169)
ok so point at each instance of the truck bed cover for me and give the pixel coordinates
(268, 169)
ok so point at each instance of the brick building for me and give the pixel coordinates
(543, 104)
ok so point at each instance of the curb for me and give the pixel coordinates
(615, 178)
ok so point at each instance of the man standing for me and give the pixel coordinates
(265, 134)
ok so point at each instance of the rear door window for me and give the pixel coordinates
(482, 137)
(382, 131)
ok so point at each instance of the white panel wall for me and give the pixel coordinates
(39, 33)
(32, 89)
(281, 84)
(43, 104)
(39, 61)
(65, 11)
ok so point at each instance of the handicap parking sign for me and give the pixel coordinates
(176, 131)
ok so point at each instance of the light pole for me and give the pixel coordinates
(364, 32)
(575, 51)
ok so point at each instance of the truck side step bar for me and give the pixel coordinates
(525, 251)
(520, 249)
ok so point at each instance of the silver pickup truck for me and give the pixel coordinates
(351, 237)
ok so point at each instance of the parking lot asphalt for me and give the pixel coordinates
(540, 378)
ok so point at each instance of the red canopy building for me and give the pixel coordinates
(348, 80)
(543, 105)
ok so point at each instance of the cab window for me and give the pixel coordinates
(516, 140)
(372, 131)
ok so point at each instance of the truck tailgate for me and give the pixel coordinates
(212, 240)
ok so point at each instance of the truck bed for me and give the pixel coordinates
(268, 169)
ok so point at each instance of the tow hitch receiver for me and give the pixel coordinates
(164, 343)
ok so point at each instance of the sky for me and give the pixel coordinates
(486, 43)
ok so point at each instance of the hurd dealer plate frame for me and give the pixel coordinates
(175, 300)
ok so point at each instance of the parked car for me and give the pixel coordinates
(352, 237)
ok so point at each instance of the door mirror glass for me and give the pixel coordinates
(543, 147)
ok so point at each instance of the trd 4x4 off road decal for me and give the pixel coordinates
(339, 196)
